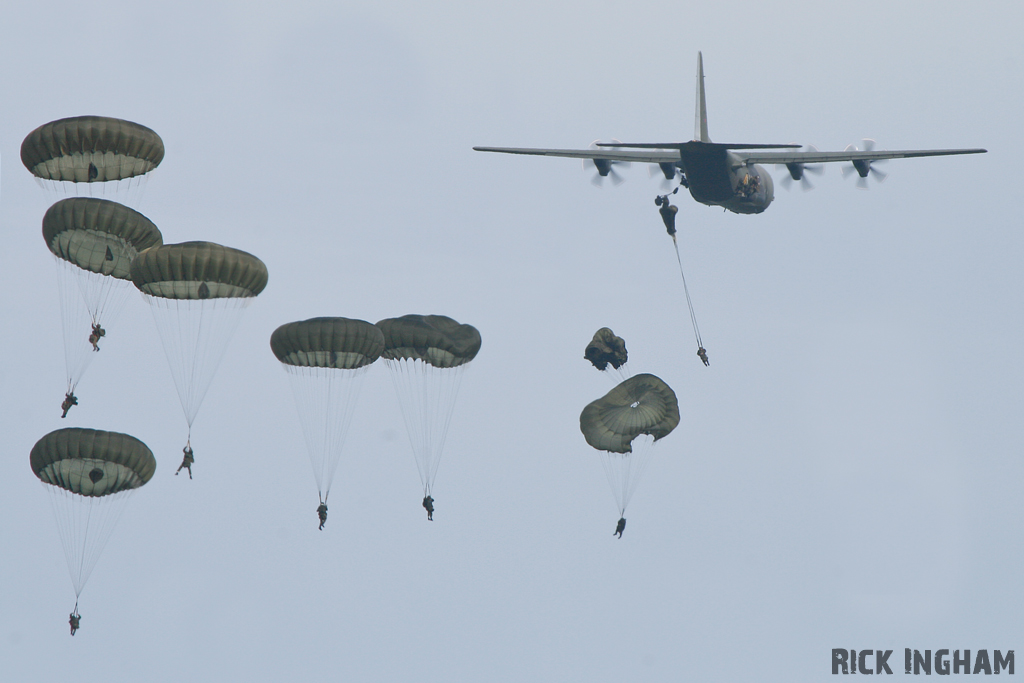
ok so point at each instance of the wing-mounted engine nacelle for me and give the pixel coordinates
(603, 166)
(606, 168)
(671, 171)
(865, 168)
(797, 171)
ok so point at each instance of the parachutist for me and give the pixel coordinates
(75, 621)
(186, 461)
(322, 514)
(703, 354)
(97, 333)
(620, 527)
(94, 172)
(428, 505)
(69, 400)
(668, 212)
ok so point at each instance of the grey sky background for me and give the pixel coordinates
(845, 474)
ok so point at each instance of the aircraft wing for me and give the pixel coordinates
(651, 156)
(815, 157)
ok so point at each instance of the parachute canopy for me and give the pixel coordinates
(91, 149)
(642, 404)
(340, 343)
(435, 339)
(98, 235)
(605, 348)
(198, 270)
(91, 462)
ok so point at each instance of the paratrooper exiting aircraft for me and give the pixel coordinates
(722, 174)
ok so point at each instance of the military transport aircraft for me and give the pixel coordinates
(726, 175)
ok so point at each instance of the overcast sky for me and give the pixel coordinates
(846, 473)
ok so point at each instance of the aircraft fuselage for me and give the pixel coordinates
(717, 177)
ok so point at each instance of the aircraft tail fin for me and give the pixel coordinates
(700, 128)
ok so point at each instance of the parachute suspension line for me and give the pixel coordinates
(617, 375)
(625, 470)
(689, 303)
(84, 524)
(427, 397)
(195, 336)
(325, 399)
(74, 324)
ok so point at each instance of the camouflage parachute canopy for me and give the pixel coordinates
(434, 339)
(642, 404)
(91, 149)
(198, 270)
(98, 235)
(340, 343)
(91, 462)
(605, 348)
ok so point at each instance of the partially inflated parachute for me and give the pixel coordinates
(426, 355)
(93, 242)
(197, 292)
(90, 152)
(624, 424)
(606, 349)
(89, 474)
(326, 359)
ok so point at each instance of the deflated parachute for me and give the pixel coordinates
(93, 242)
(426, 355)
(89, 474)
(326, 360)
(197, 292)
(91, 149)
(624, 424)
(606, 349)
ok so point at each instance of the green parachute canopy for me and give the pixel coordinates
(606, 349)
(98, 235)
(340, 343)
(435, 339)
(642, 404)
(198, 271)
(92, 463)
(91, 149)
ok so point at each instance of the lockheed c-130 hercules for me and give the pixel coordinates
(722, 174)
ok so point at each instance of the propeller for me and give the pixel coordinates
(865, 168)
(669, 173)
(798, 171)
(605, 167)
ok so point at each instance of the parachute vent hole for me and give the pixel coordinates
(634, 404)
(95, 475)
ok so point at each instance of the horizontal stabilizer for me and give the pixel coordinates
(693, 144)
